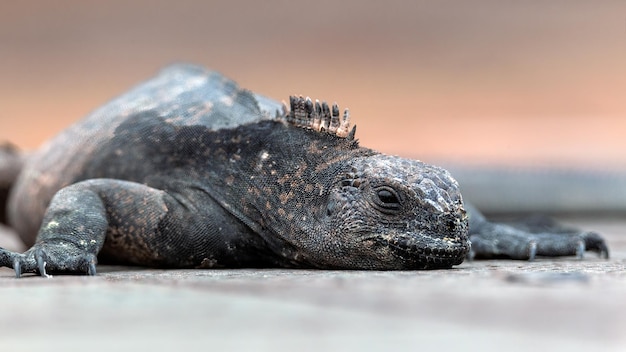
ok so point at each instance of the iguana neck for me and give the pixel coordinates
(277, 177)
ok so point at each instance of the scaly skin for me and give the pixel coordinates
(187, 170)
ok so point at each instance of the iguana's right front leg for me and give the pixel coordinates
(78, 219)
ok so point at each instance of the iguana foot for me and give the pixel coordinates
(504, 241)
(527, 239)
(45, 258)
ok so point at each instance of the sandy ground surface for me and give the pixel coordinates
(554, 305)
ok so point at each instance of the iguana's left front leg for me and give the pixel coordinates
(526, 240)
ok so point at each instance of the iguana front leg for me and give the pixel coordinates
(538, 236)
(78, 220)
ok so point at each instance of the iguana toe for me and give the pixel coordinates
(595, 243)
(11, 260)
(45, 258)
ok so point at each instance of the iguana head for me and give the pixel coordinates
(374, 211)
(393, 213)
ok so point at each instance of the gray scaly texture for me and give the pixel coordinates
(187, 170)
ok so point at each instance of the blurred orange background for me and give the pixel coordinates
(499, 82)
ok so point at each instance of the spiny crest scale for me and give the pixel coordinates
(318, 116)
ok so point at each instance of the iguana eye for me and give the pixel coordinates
(387, 199)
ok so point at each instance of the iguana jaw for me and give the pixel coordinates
(419, 251)
(439, 247)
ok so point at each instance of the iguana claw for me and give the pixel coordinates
(604, 252)
(17, 266)
(580, 249)
(91, 270)
(41, 263)
(532, 251)
(594, 242)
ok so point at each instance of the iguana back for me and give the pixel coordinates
(184, 95)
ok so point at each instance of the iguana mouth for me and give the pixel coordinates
(417, 254)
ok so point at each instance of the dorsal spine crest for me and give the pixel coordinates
(318, 116)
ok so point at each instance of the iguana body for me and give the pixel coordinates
(188, 170)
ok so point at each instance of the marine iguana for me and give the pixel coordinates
(187, 170)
